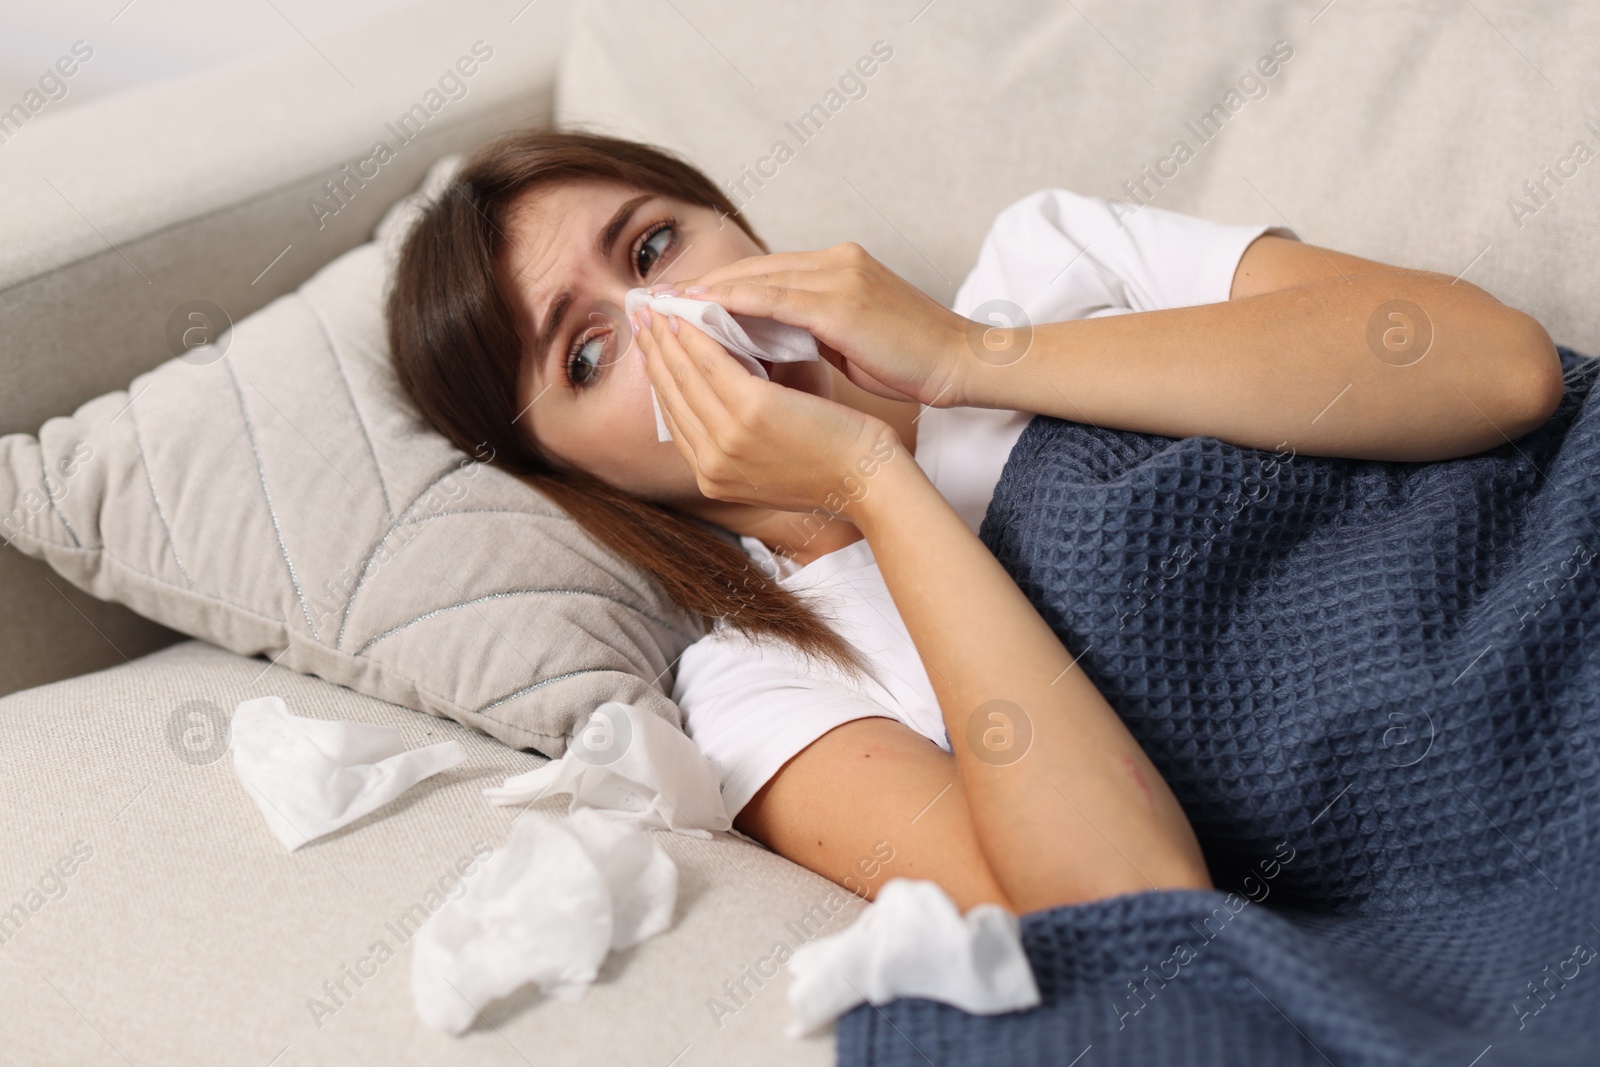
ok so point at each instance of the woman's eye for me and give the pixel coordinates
(654, 247)
(584, 359)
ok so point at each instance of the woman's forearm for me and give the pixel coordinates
(1332, 367)
(1066, 805)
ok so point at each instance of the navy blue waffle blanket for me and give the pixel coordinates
(1374, 688)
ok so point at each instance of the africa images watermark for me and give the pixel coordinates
(450, 885)
(1256, 489)
(350, 179)
(1252, 85)
(51, 87)
(54, 485)
(738, 992)
(850, 490)
(1538, 191)
(851, 85)
(806, 526)
(1551, 585)
(1540, 994)
(999, 732)
(445, 491)
(51, 886)
(1142, 991)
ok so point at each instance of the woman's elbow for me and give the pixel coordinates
(1184, 872)
(1180, 870)
(1534, 384)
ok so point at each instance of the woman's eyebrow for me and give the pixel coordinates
(606, 240)
(547, 336)
(608, 235)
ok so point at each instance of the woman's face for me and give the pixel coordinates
(574, 251)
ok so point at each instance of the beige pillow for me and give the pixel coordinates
(274, 492)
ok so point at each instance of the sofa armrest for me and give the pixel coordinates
(231, 186)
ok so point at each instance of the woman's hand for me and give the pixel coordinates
(886, 335)
(752, 441)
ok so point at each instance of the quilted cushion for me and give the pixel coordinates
(274, 492)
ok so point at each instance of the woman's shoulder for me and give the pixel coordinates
(833, 582)
(1050, 201)
(1055, 254)
(1026, 252)
(844, 585)
(821, 571)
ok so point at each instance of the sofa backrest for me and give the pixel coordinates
(1414, 134)
(122, 210)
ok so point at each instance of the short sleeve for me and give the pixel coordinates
(1062, 255)
(752, 708)
(752, 704)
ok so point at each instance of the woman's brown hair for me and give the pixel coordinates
(456, 348)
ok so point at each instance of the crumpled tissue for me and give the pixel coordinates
(545, 909)
(912, 941)
(744, 337)
(635, 767)
(311, 776)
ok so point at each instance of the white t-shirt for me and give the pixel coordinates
(752, 706)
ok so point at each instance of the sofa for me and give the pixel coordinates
(147, 915)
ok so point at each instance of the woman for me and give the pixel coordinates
(933, 726)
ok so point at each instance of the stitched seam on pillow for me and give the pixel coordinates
(272, 512)
(556, 516)
(44, 480)
(511, 593)
(443, 699)
(36, 539)
(150, 479)
(361, 578)
(413, 683)
(488, 511)
(540, 684)
(361, 421)
(156, 579)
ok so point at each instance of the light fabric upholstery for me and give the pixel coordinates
(190, 936)
(1394, 132)
(121, 209)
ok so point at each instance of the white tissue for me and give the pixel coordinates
(311, 776)
(633, 766)
(911, 941)
(545, 909)
(744, 337)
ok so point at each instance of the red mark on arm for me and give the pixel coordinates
(1133, 769)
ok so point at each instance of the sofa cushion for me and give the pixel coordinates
(148, 907)
(1399, 133)
(274, 491)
